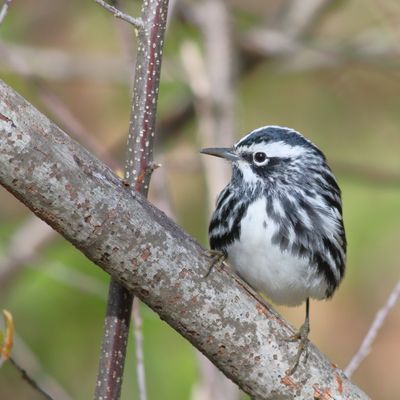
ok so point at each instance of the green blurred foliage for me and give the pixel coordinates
(350, 111)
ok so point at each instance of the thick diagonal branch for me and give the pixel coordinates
(151, 256)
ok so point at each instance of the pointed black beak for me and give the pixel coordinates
(223, 152)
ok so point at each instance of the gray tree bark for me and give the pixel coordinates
(150, 255)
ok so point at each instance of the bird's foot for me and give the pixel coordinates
(217, 259)
(302, 336)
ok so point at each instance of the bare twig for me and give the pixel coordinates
(136, 22)
(138, 245)
(139, 160)
(138, 169)
(138, 336)
(373, 331)
(143, 114)
(4, 10)
(30, 380)
(22, 354)
(115, 339)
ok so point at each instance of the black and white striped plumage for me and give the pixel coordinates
(279, 220)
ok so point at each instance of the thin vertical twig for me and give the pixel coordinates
(373, 331)
(138, 169)
(138, 333)
(115, 341)
(140, 165)
(142, 124)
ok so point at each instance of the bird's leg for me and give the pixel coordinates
(217, 259)
(302, 335)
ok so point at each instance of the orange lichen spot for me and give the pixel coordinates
(145, 254)
(261, 309)
(322, 394)
(339, 382)
(290, 383)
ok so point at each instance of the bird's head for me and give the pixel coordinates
(270, 153)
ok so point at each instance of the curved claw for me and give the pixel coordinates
(217, 259)
(302, 335)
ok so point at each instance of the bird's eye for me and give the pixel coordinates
(260, 158)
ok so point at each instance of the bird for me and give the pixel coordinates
(279, 221)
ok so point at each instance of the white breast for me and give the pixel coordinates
(285, 279)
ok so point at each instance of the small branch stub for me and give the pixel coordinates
(136, 22)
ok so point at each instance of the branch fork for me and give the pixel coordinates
(136, 22)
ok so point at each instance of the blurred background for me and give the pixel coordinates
(328, 68)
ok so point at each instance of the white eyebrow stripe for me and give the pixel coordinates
(278, 149)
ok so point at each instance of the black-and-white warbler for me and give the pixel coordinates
(279, 220)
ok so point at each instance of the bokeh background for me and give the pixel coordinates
(332, 72)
